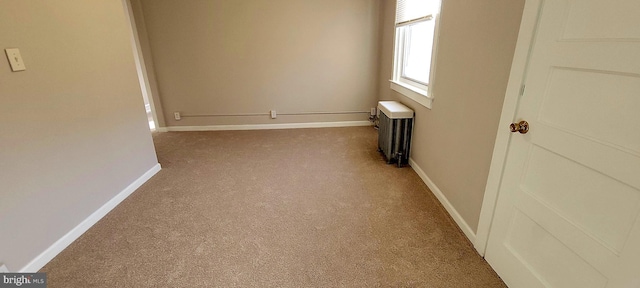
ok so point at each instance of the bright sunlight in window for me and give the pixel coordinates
(414, 48)
(417, 52)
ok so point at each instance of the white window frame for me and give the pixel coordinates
(414, 90)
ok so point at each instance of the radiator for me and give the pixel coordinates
(394, 131)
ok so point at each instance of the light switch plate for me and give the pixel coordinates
(15, 59)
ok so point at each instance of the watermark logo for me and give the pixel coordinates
(23, 280)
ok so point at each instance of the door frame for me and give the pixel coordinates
(517, 78)
(142, 70)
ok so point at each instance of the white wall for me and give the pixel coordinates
(73, 126)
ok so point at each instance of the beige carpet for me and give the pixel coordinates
(274, 208)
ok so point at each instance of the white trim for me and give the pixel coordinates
(444, 201)
(162, 129)
(434, 57)
(269, 126)
(141, 66)
(412, 93)
(421, 96)
(516, 80)
(62, 243)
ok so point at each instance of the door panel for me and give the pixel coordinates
(564, 231)
(582, 196)
(568, 210)
(552, 261)
(614, 162)
(585, 20)
(592, 90)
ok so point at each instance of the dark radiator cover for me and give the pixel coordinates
(394, 138)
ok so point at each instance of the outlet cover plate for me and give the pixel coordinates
(15, 59)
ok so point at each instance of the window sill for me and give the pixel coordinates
(412, 93)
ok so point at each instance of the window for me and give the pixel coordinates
(414, 46)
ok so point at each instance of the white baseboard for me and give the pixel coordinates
(268, 126)
(444, 201)
(62, 243)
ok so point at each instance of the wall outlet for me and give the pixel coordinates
(273, 114)
(176, 115)
(373, 111)
(4, 269)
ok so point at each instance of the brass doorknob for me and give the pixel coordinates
(522, 127)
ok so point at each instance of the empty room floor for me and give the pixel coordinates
(274, 208)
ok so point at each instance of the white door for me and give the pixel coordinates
(568, 210)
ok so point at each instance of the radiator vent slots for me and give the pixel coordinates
(394, 132)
